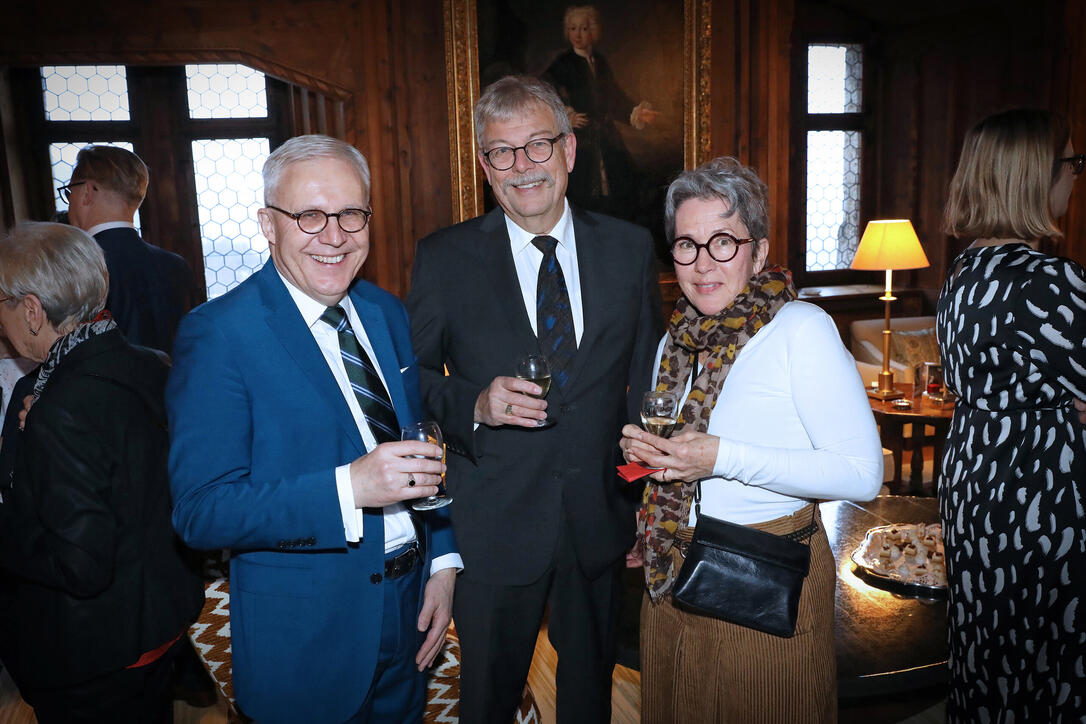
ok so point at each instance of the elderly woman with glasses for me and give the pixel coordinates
(96, 592)
(773, 419)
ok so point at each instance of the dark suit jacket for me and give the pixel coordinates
(513, 485)
(95, 573)
(150, 289)
(258, 426)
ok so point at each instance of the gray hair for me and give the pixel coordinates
(59, 264)
(726, 179)
(307, 148)
(513, 95)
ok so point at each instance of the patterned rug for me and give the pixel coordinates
(211, 637)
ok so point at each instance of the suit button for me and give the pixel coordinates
(556, 475)
(376, 578)
(568, 408)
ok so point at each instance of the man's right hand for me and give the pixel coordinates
(507, 401)
(383, 476)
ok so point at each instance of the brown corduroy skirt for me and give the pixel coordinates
(697, 669)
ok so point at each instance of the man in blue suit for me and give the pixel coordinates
(150, 289)
(284, 449)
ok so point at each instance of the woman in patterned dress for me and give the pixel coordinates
(1012, 337)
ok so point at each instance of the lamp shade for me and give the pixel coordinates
(889, 244)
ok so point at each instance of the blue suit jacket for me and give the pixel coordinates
(257, 427)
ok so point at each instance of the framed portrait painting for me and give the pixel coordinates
(633, 74)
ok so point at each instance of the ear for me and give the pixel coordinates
(569, 148)
(486, 167)
(34, 313)
(267, 225)
(761, 253)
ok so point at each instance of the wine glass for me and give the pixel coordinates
(534, 368)
(431, 433)
(659, 412)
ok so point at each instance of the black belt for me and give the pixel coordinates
(404, 563)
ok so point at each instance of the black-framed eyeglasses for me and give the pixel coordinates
(721, 247)
(313, 221)
(538, 150)
(1078, 162)
(66, 191)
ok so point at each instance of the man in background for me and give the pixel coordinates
(150, 289)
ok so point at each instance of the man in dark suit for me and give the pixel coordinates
(150, 289)
(540, 515)
(286, 399)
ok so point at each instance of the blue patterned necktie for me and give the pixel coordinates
(554, 315)
(371, 393)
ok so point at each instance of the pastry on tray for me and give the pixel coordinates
(908, 553)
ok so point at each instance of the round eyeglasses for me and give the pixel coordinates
(721, 247)
(65, 192)
(539, 150)
(1078, 162)
(313, 221)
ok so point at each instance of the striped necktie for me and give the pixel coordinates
(371, 393)
(554, 314)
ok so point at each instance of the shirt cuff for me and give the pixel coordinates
(352, 526)
(728, 458)
(449, 560)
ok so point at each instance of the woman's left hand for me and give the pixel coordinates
(688, 456)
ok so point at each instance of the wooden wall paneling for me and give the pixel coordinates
(424, 147)
(1069, 95)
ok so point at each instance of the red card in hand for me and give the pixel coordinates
(635, 471)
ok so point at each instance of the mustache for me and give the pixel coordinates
(528, 178)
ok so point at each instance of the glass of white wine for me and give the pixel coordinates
(431, 433)
(534, 368)
(659, 412)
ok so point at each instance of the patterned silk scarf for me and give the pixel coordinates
(60, 349)
(666, 506)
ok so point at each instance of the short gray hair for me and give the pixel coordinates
(726, 179)
(512, 96)
(307, 148)
(59, 264)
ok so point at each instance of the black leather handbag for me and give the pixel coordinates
(744, 576)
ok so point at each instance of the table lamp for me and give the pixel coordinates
(888, 245)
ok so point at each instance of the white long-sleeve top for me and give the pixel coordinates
(794, 423)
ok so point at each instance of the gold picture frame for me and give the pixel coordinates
(462, 90)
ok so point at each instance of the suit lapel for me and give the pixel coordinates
(590, 261)
(287, 326)
(497, 261)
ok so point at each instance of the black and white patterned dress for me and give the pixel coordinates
(1012, 337)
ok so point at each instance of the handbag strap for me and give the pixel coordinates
(801, 534)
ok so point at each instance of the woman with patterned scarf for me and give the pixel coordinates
(94, 595)
(774, 418)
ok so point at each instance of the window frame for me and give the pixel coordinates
(161, 132)
(804, 122)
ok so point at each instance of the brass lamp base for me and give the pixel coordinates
(885, 390)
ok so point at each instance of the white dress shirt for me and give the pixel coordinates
(527, 259)
(110, 225)
(399, 529)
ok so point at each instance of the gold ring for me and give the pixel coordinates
(509, 409)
